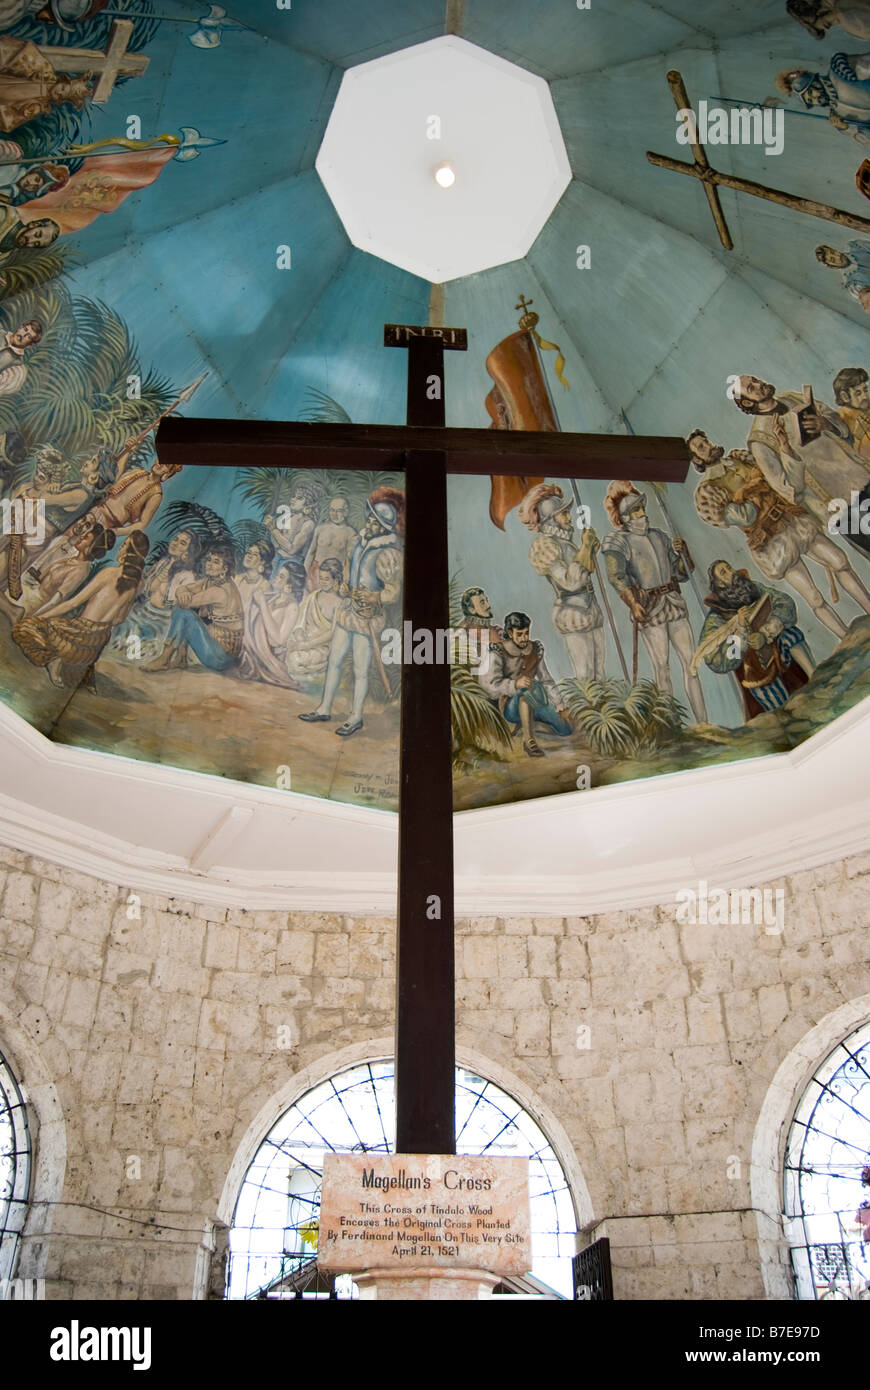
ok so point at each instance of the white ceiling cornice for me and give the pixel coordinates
(210, 840)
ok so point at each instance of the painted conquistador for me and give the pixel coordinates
(568, 567)
(646, 568)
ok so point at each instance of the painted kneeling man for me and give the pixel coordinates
(518, 678)
(752, 630)
(646, 568)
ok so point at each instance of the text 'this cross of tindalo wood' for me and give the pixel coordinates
(427, 451)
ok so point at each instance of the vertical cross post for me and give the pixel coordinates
(425, 1005)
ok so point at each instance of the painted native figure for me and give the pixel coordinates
(781, 535)
(569, 569)
(208, 618)
(270, 617)
(372, 590)
(331, 540)
(309, 642)
(151, 614)
(646, 568)
(67, 642)
(293, 532)
(752, 630)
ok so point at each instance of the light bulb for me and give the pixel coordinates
(444, 176)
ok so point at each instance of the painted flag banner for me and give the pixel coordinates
(519, 400)
(100, 185)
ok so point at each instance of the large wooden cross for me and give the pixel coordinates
(427, 451)
(712, 180)
(114, 63)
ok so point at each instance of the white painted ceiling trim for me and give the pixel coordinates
(211, 840)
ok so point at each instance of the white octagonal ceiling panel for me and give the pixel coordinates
(398, 119)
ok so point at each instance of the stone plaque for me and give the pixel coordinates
(409, 1211)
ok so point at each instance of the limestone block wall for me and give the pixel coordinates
(648, 1048)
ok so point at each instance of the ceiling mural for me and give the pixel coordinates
(166, 244)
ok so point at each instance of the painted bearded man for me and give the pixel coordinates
(806, 455)
(781, 535)
(518, 678)
(646, 568)
(373, 587)
(568, 569)
(768, 651)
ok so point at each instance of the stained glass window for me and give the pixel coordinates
(827, 1177)
(15, 1156)
(273, 1241)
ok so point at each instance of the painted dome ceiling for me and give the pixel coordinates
(216, 260)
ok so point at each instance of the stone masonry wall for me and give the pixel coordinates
(160, 1035)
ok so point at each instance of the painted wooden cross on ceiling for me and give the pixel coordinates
(712, 180)
(109, 66)
(427, 451)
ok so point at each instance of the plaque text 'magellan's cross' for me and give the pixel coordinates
(427, 451)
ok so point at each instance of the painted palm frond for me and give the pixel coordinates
(246, 532)
(323, 410)
(667, 712)
(265, 488)
(619, 719)
(103, 342)
(79, 375)
(607, 730)
(29, 268)
(207, 524)
(476, 725)
(454, 593)
(579, 695)
(640, 701)
(61, 126)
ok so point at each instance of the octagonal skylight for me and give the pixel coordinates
(398, 119)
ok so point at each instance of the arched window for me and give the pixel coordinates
(273, 1239)
(827, 1176)
(15, 1156)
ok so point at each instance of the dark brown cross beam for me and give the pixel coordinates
(428, 452)
(712, 180)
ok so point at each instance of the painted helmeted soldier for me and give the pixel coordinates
(569, 569)
(373, 587)
(646, 568)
